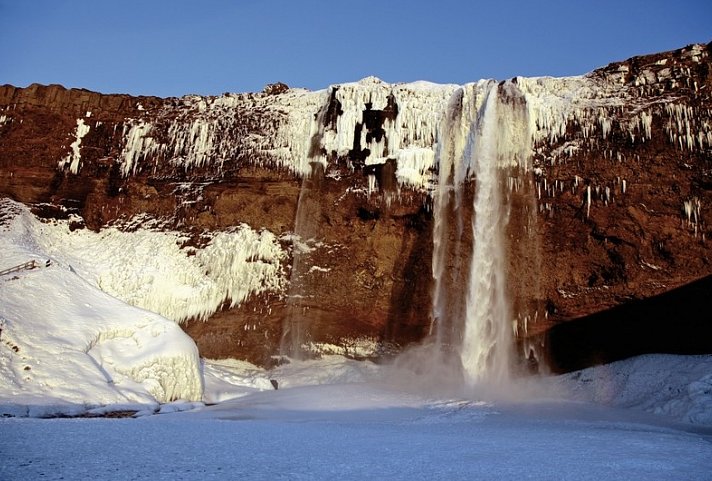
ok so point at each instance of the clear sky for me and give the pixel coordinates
(177, 47)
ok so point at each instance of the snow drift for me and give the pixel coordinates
(67, 347)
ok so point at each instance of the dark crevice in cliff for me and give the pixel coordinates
(373, 123)
(410, 295)
(676, 322)
(333, 110)
(385, 175)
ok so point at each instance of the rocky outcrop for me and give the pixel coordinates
(607, 207)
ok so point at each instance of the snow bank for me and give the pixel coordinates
(230, 379)
(676, 386)
(331, 369)
(66, 347)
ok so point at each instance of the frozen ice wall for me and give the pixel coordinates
(295, 129)
(374, 121)
(370, 122)
(148, 268)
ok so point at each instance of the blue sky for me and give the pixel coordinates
(177, 47)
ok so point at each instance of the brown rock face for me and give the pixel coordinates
(632, 226)
(610, 214)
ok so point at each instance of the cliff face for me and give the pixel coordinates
(606, 192)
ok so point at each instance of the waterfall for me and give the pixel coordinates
(484, 138)
(306, 230)
(487, 332)
(295, 325)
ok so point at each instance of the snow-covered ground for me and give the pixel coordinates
(359, 429)
(68, 348)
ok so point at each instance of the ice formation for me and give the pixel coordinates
(387, 121)
(68, 347)
(148, 268)
(375, 121)
(74, 157)
(289, 124)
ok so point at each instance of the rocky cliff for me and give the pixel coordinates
(606, 179)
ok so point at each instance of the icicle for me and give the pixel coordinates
(371, 184)
(74, 157)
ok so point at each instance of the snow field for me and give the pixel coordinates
(354, 431)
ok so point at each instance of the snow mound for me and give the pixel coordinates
(228, 379)
(66, 347)
(329, 369)
(676, 386)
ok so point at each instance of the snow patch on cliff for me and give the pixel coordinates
(139, 145)
(583, 108)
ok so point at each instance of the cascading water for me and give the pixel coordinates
(483, 138)
(448, 228)
(487, 335)
(306, 228)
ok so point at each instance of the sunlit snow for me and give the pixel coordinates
(148, 268)
(67, 347)
(342, 419)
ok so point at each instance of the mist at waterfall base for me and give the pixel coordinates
(485, 137)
